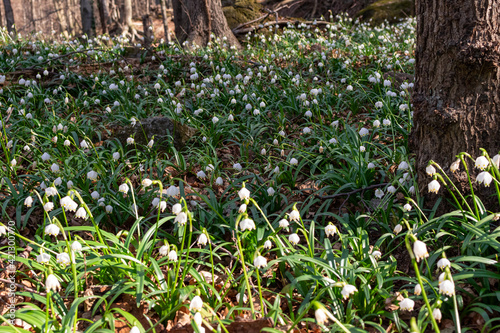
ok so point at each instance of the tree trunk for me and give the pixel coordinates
(9, 16)
(87, 16)
(127, 19)
(165, 20)
(103, 15)
(195, 20)
(456, 99)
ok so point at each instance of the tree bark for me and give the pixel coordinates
(103, 15)
(128, 26)
(9, 16)
(87, 16)
(165, 20)
(196, 20)
(456, 99)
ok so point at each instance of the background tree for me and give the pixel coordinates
(456, 99)
(9, 15)
(103, 15)
(195, 20)
(87, 16)
(163, 4)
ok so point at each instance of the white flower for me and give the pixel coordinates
(482, 162)
(379, 193)
(84, 144)
(348, 290)
(172, 255)
(238, 297)
(116, 156)
(434, 186)
(455, 165)
(219, 181)
(441, 277)
(135, 329)
(51, 191)
(28, 201)
(386, 122)
(443, 263)
(391, 189)
(164, 250)
(484, 177)
(196, 304)
(244, 194)
(436, 313)
(176, 209)
(69, 184)
(123, 188)
(411, 190)
(95, 195)
(407, 304)
(242, 209)
(397, 229)
(293, 161)
(81, 213)
(403, 166)
(363, 132)
(407, 207)
(330, 230)
(201, 174)
(109, 209)
(43, 258)
(430, 170)
(418, 289)
(377, 254)
(63, 259)
(260, 262)
(268, 244)
(247, 224)
(48, 206)
(420, 250)
(173, 191)
(52, 283)
(215, 120)
(294, 239)
(146, 182)
(76, 246)
(92, 175)
(294, 215)
(270, 191)
(362, 149)
(52, 229)
(321, 317)
(68, 204)
(45, 157)
(202, 239)
(496, 160)
(238, 167)
(130, 141)
(181, 218)
(333, 141)
(283, 223)
(447, 287)
(376, 123)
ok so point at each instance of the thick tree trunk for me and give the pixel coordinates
(127, 19)
(103, 15)
(9, 16)
(456, 99)
(87, 16)
(195, 20)
(165, 19)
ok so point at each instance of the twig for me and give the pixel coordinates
(22, 286)
(348, 194)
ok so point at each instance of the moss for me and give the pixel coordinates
(390, 10)
(242, 11)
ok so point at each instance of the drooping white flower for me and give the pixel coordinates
(386, 122)
(418, 289)
(430, 170)
(294, 239)
(28, 201)
(63, 259)
(330, 230)
(379, 193)
(377, 254)
(283, 223)
(3, 230)
(201, 174)
(348, 290)
(123, 188)
(202, 239)
(81, 213)
(48, 206)
(496, 160)
(196, 304)
(455, 165)
(219, 181)
(146, 182)
(443, 263)
(92, 175)
(270, 191)
(321, 317)
(95, 195)
(116, 156)
(109, 209)
(51, 191)
(391, 189)
(294, 215)
(436, 313)
(176, 209)
(397, 229)
(268, 244)
(362, 149)
(52, 283)
(406, 304)
(242, 209)
(76, 246)
(247, 224)
(164, 250)
(294, 161)
(68, 204)
(238, 167)
(403, 166)
(43, 258)
(260, 262)
(376, 123)
(434, 186)
(482, 162)
(172, 255)
(420, 250)
(363, 132)
(181, 218)
(45, 157)
(407, 207)
(244, 194)
(447, 287)
(172, 191)
(484, 177)
(238, 297)
(135, 329)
